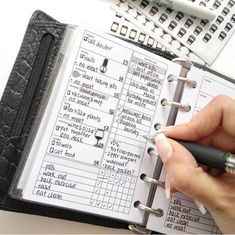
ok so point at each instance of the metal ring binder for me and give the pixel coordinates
(158, 212)
(138, 229)
(184, 62)
(157, 126)
(185, 107)
(147, 179)
(190, 82)
(152, 152)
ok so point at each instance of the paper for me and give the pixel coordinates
(89, 151)
(180, 212)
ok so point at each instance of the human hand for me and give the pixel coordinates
(215, 126)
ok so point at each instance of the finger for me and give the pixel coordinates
(219, 112)
(214, 172)
(205, 168)
(188, 178)
(184, 174)
(211, 171)
(220, 139)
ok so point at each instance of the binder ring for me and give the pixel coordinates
(149, 180)
(185, 107)
(140, 206)
(184, 62)
(138, 229)
(157, 126)
(190, 82)
(151, 151)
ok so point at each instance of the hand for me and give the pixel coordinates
(215, 126)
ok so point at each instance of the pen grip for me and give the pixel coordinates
(206, 155)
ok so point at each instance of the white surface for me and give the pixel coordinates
(30, 224)
(225, 61)
(14, 16)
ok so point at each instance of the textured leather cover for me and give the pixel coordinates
(15, 102)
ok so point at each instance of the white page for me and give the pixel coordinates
(89, 151)
(180, 212)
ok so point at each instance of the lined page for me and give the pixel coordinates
(180, 212)
(89, 151)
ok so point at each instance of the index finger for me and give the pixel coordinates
(219, 112)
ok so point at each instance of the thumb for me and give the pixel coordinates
(183, 172)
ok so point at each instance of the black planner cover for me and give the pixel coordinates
(20, 104)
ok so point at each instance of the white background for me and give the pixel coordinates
(14, 16)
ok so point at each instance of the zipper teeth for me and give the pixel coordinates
(38, 70)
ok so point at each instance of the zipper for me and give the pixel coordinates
(36, 77)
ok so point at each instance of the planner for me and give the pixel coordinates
(86, 151)
(180, 212)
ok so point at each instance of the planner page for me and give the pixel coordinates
(180, 213)
(89, 151)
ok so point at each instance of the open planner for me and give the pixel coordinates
(86, 151)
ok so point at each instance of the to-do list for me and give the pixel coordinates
(95, 148)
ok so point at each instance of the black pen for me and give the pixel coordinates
(206, 155)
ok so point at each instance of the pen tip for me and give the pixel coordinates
(147, 137)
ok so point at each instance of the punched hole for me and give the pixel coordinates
(157, 126)
(163, 102)
(169, 78)
(193, 84)
(142, 176)
(188, 108)
(136, 203)
(150, 150)
(159, 213)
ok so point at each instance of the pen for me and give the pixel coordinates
(206, 155)
(188, 7)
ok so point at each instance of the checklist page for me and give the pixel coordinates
(89, 150)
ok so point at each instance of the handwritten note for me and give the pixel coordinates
(91, 152)
(180, 213)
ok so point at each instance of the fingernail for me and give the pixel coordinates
(167, 188)
(163, 146)
(200, 207)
